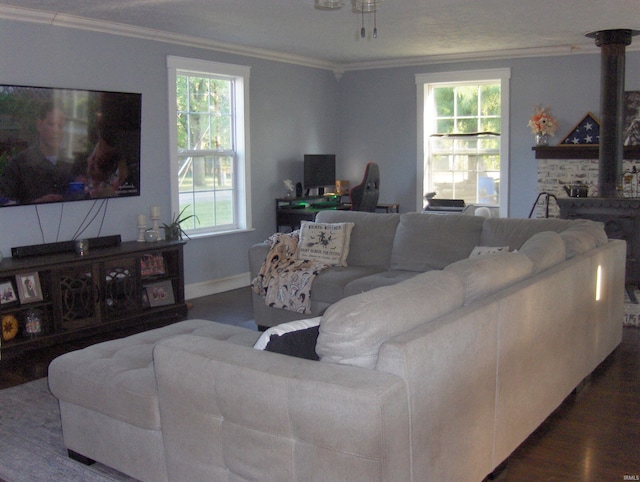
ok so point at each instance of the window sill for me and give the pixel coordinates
(218, 233)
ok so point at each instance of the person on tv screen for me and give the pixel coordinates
(106, 170)
(39, 174)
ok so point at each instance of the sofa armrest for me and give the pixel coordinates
(260, 415)
(257, 255)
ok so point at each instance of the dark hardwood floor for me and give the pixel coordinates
(593, 436)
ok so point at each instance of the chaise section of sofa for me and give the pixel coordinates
(109, 398)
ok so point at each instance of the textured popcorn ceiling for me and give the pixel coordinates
(423, 30)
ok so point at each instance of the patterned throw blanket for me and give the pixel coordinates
(284, 281)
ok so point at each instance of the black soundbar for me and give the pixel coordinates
(63, 246)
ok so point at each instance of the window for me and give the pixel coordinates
(209, 145)
(459, 132)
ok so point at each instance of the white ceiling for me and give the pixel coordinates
(408, 30)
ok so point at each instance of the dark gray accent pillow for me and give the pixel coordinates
(299, 343)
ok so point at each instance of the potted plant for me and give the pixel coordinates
(174, 231)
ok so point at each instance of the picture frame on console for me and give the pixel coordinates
(160, 294)
(8, 294)
(29, 287)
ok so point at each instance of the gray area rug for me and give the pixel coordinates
(31, 446)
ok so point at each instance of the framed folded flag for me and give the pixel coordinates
(585, 132)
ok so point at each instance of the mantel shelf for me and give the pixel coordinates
(580, 152)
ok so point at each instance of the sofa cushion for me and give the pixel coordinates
(329, 284)
(385, 278)
(352, 330)
(432, 241)
(545, 250)
(371, 237)
(326, 243)
(577, 242)
(483, 275)
(513, 232)
(593, 228)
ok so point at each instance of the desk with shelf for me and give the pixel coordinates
(130, 285)
(290, 212)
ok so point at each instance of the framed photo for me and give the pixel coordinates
(152, 265)
(7, 292)
(160, 293)
(29, 287)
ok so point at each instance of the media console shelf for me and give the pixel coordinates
(133, 284)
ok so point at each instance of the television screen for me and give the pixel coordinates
(319, 170)
(61, 145)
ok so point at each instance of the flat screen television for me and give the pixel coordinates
(59, 144)
(319, 171)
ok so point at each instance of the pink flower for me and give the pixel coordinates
(542, 122)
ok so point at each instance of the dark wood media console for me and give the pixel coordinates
(130, 285)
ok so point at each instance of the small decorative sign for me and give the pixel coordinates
(585, 132)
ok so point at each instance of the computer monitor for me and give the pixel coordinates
(319, 171)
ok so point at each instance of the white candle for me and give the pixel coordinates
(142, 220)
(155, 212)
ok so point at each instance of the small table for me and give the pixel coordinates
(290, 212)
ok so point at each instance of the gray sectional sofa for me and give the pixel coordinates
(386, 249)
(438, 377)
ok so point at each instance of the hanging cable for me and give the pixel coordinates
(82, 229)
(39, 223)
(60, 221)
(104, 215)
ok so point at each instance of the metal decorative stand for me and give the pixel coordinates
(546, 195)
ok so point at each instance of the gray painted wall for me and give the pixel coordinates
(365, 116)
(378, 117)
(293, 111)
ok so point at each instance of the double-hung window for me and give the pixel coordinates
(462, 117)
(209, 145)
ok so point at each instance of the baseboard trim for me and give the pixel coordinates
(215, 286)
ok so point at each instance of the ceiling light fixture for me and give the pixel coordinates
(330, 4)
(358, 6)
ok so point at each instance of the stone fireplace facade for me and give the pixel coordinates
(553, 174)
(620, 215)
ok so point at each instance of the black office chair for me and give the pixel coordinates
(364, 196)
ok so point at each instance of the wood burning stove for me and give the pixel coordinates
(621, 216)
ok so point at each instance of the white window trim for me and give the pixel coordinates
(503, 75)
(241, 74)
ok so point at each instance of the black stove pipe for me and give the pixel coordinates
(612, 44)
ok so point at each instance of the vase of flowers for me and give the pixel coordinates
(543, 125)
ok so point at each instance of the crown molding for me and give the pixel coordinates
(469, 57)
(112, 28)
